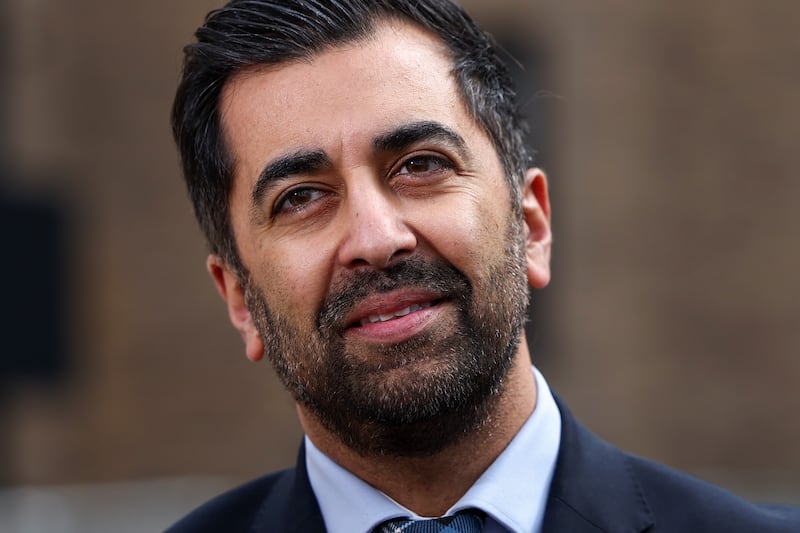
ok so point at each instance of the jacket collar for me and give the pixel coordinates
(290, 506)
(593, 488)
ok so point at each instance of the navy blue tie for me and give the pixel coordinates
(465, 522)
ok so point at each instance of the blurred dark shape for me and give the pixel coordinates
(32, 309)
(32, 325)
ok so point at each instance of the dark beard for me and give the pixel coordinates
(416, 397)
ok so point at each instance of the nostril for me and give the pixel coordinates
(358, 262)
(399, 255)
(376, 261)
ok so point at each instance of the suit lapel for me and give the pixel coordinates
(593, 490)
(290, 507)
(593, 487)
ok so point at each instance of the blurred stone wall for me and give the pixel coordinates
(672, 328)
(677, 302)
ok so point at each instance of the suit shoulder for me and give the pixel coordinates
(690, 504)
(234, 510)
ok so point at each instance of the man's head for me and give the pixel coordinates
(381, 244)
(272, 32)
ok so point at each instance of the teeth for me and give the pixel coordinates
(371, 319)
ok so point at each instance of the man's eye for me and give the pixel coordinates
(297, 199)
(424, 164)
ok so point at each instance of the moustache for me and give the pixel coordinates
(437, 277)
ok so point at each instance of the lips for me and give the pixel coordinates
(384, 308)
(372, 319)
(392, 318)
(391, 305)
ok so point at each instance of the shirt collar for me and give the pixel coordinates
(512, 491)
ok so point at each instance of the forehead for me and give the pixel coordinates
(341, 97)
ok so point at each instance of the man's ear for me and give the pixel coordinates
(232, 292)
(536, 215)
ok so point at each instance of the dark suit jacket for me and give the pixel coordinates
(596, 488)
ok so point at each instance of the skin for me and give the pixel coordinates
(367, 209)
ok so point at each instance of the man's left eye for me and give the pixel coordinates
(424, 164)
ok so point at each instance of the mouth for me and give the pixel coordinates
(393, 317)
(413, 308)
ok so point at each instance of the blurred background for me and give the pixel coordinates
(669, 130)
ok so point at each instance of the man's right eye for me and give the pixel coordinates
(296, 199)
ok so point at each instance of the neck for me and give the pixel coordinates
(430, 485)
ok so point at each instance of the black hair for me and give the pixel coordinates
(246, 33)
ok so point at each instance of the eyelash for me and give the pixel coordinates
(442, 162)
(281, 203)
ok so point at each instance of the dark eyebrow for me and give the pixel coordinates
(403, 137)
(311, 161)
(300, 162)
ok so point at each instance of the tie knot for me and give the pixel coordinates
(464, 522)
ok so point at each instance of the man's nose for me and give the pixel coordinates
(375, 229)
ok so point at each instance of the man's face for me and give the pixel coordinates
(386, 270)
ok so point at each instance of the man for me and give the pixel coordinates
(374, 222)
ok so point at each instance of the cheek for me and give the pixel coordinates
(294, 281)
(469, 234)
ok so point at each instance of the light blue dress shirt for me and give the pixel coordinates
(512, 491)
